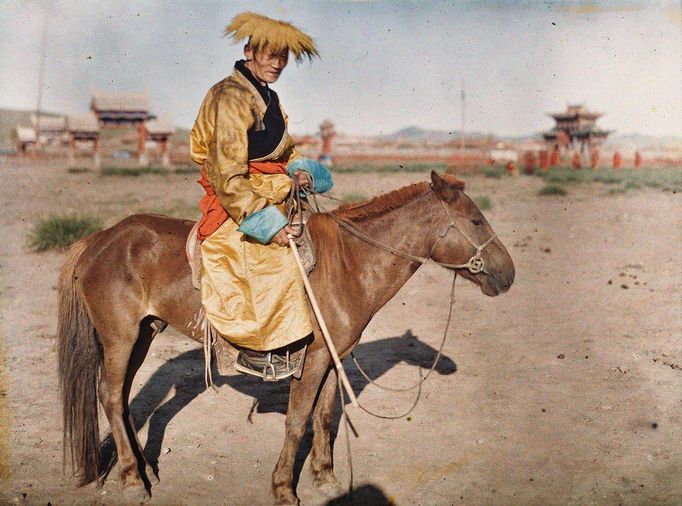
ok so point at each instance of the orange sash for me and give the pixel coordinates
(212, 212)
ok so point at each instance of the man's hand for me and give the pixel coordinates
(302, 178)
(280, 238)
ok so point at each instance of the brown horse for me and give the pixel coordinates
(120, 283)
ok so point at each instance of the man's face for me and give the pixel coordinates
(265, 65)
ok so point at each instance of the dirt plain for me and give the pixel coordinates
(565, 390)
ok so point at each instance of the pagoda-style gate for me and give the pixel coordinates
(83, 130)
(157, 131)
(575, 129)
(120, 108)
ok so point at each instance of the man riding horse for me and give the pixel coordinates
(251, 289)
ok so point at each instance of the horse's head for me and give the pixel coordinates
(422, 355)
(465, 240)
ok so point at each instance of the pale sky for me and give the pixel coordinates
(385, 64)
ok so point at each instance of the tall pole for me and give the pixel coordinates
(462, 130)
(41, 77)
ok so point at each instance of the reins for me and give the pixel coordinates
(422, 379)
(474, 265)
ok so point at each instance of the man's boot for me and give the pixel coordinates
(273, 365)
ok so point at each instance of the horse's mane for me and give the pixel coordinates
(382, 203)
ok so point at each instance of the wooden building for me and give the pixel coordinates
(157, 132)
(26, 139)
(120, 108)
(83, 132)
(575, 128)
(51, 130)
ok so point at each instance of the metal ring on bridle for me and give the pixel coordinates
(476, 264)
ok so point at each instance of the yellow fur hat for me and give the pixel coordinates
(276, 35)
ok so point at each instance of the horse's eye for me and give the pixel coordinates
(477, 222)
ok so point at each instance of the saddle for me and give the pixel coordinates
(226, 355)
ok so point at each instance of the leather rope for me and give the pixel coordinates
(422, 379)
(474, 265)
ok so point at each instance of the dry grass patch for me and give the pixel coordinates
(552, 189)
(132, 171)
(60, 232)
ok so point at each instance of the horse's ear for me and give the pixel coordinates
(446, 187)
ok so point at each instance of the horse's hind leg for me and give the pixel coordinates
(301, 400)
(321, 455)
(118, 349)
(137, 357)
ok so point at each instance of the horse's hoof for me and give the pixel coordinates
(328, 485)
(137, 494)
(287, 499)
(151, 475)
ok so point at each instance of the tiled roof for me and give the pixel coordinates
(83, 123)
(120, 101)
(162, 125)
(49, 123)
(26, 134)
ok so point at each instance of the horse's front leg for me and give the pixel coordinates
(321, 454)
(301, 400)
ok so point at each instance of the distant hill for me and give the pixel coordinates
(628, 142)
(414, 133)
(8, 122)
(632, 142)
(417, 134)
(9, 119)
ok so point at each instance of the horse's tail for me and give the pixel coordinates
(80, 359)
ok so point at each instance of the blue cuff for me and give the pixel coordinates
(322, 178)
(263, 225)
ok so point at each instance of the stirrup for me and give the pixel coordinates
(271, 366)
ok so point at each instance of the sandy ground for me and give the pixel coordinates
(566, 390)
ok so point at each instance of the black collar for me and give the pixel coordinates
(263, 89)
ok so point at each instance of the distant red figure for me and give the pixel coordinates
(638, 160)
(576, 161)
(594, 158)
(511, 168)
(554, 160)
(617, 160)
(529, 162)
(544, 160)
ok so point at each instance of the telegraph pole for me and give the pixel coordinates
(41, 77)
(461, 133)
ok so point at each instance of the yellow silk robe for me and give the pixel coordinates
(252, 293)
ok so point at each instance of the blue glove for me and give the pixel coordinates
(319, 174)
(263, 225)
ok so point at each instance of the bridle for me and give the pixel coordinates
(474, 265)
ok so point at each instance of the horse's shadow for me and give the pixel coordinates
(184, 375)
